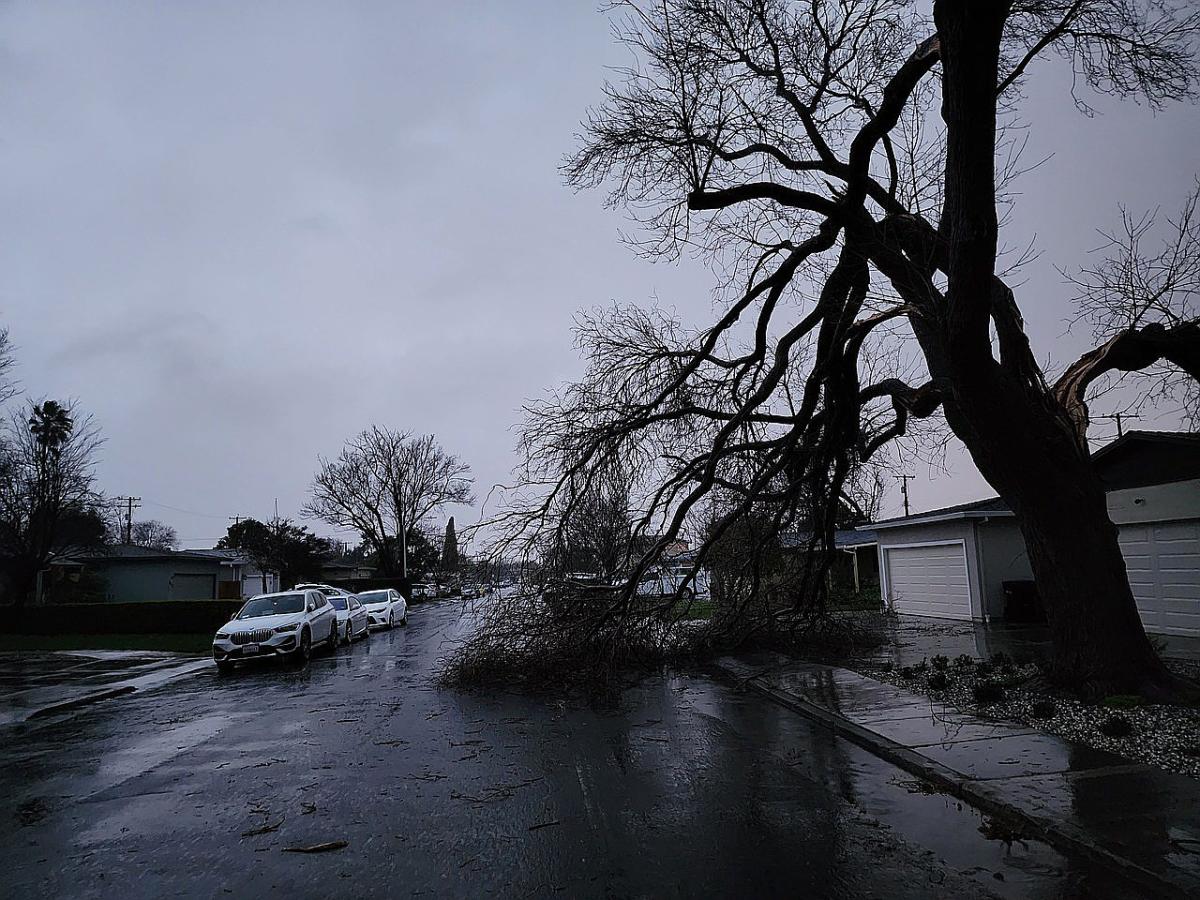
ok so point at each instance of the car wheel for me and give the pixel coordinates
(304, 650)
(391, 621)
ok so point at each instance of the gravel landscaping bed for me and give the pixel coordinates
(1155, 734)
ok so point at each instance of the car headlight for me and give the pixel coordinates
(221, 636)
(284, 629)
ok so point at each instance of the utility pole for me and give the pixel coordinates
(1117, 417)
(236, 520)
(131, 503)
(903, 479)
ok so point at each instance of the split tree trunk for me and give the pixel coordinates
(1019, 437)
(1029, 454)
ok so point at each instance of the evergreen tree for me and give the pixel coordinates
(450, 548)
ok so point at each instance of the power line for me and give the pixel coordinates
(1118, 417)
(190, 512)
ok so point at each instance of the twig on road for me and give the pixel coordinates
(318, 848)
(262, 829)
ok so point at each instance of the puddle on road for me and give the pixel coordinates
(139, 758)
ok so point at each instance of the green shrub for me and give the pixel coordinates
(908, 673)
(987, 692)
(964, 661)
(939, 681)
(1116, 726)
(1044, 709)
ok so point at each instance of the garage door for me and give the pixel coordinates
(929, 581)
(193, 587)
(1163, 560)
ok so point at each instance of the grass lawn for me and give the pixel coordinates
(179, 643)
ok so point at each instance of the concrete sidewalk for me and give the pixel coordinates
(33, 685)
(1139, 820)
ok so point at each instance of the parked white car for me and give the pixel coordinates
(667, 581)
(283, 624)
(351, 616)
(385, 607)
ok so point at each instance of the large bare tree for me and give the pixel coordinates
(796, 146)
(384, 484)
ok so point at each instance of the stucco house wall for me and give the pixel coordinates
(130, 582)
(1002, 558)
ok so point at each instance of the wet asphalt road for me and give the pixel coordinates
(687, 787)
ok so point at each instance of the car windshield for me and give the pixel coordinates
(338, 602)
(272, 605)
(372, 597)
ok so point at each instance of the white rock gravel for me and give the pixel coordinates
(1163, 736)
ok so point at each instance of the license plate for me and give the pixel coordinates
(249, 649)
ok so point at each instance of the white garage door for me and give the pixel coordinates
(929, 581)
(1163, 560)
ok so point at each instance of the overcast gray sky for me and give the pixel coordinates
(238, 233)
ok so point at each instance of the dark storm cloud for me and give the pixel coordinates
(239, 233)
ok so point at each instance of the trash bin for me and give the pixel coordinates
(1022, 603)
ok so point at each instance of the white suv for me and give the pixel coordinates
(385, 607)
(283, 624)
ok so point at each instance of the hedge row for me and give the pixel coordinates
(161, 617)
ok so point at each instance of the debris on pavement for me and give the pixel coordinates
(262, 829)
(318, 848)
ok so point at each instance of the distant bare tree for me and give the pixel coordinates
(384, 484)
(47, 505)
(8, 388)
(154, 534)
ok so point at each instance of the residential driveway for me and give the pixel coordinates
(685, 787)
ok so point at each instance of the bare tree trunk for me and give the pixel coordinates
(1039, 469)
(1020, 438)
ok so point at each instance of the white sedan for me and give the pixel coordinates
(283, 624)
(385, 608)
(351, 616)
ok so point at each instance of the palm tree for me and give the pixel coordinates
(51, 425)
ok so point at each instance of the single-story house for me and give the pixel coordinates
(955, 562)
(340, 570)
(132, 574)
(858, 562)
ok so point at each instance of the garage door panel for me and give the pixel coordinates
(1163, 562)
(929, 581)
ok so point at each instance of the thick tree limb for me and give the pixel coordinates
(1128, 351)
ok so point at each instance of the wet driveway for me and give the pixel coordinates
(687, 787)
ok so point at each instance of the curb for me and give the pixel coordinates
(980, 796)
(74, 702)
(119, 690)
